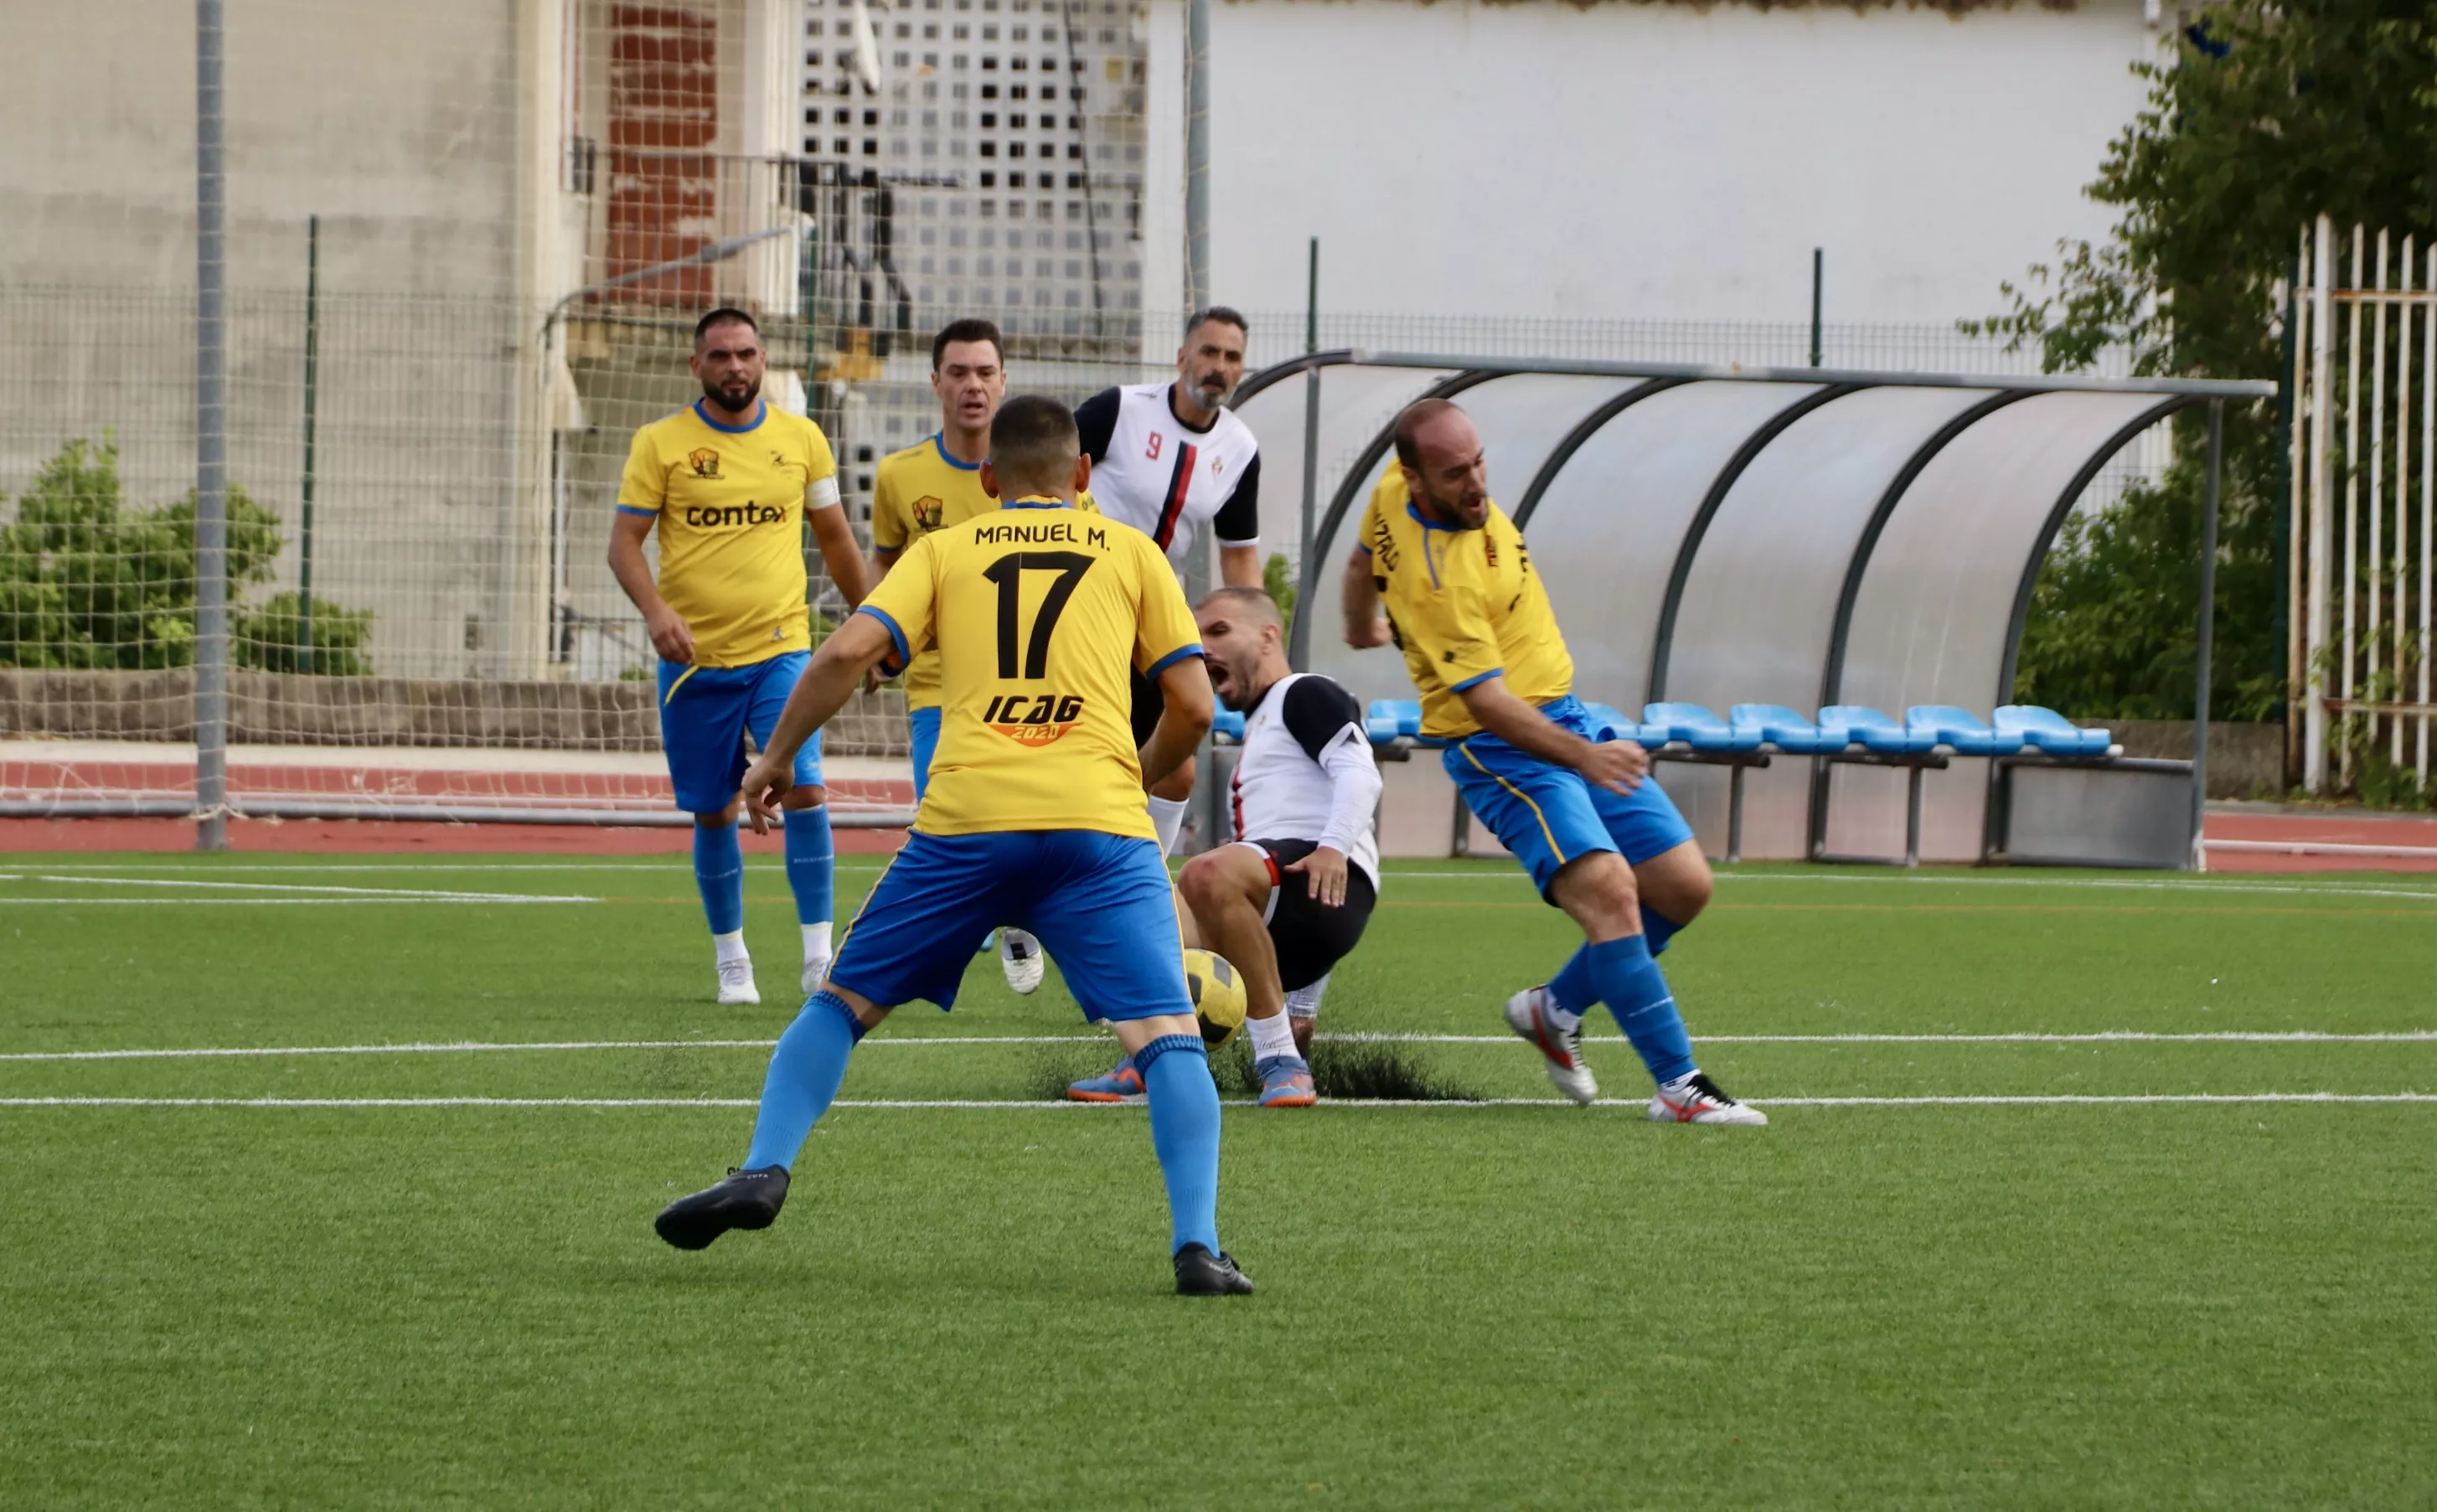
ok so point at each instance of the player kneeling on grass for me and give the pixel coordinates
(1289, 899)
(1033, 817)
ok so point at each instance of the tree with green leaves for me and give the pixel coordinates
(2264, 117)
(88, 583)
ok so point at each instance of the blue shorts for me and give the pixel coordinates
(1547, 814)
(924, 722)
(704, 714)
(1099, 903)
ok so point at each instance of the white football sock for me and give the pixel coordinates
(1679, 1083)
(1557, 1015)
(730, 946)
(1304, 1002)
(1274, 1037)
(1167, 817)
(816, 941)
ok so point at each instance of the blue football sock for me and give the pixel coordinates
(1636, 992)
(719, 872)
(803, 1079)
(810, 864)
(1184, 1132)
(1572, 986)
(1657, 928)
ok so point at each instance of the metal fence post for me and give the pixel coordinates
(2207, 631)
(211, 440)
(1299, 634)
(312, 387)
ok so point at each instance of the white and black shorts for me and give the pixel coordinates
(1311, 936)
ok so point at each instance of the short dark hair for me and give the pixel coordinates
(724, 315)
(1220, 313)
(1408, 425)
(1252, 602)
(1033, 443)
(971, 328)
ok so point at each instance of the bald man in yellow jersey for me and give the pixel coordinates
(1033, 815)
(929, 486)
(730, 483)
(1569, 798)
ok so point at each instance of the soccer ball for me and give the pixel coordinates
(1217, 996)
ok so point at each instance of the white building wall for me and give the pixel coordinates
(1657, 161)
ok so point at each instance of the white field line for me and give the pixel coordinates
(275, 903)
(1930, 1101)
(2328, 889)
(483, 1047)
(379, 894)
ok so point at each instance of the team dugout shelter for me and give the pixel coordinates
(1804, 588)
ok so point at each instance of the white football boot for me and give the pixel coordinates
(736, 981)
(1019, 956)
(1698, 1100)
(1561, 1049)
(816, 974)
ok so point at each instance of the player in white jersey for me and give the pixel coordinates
(1289, 899)
(1169, 459)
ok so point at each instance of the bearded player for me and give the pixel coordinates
(730, 483)
(1290, 897)
(1602, 841)
(1170, 459)
(1034, 814)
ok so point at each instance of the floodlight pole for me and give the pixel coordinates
(211, 438)
(2207, 631)
(1197, 155)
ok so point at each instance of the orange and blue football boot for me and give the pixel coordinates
(1124, 1085)
(1286, 1082)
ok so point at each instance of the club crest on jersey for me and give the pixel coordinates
(1034, 719)
(703, 461)
(929, 511)
(1489, 547)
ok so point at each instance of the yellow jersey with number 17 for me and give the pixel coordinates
(917, 491)
(730, 504)
(1040, 614)
(1465, 606)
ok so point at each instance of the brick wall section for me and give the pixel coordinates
(275, 709)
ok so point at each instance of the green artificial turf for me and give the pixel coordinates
(2093, 1304)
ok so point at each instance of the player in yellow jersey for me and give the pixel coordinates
(932, 484)
(1572, 802)
(1034, 815)
(730, 483)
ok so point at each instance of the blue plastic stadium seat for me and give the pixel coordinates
(2048, 730)
(1844, 725)
(1781, 727)
(1610, 724)
(1377, 730)
(1403, 716)
(1960, 731)
(1698, 728)
(1228, 723)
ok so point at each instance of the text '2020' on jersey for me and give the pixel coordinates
(1166, 479)
(731, 503)
(1464, 605)
(919, 490)
(1040, 614)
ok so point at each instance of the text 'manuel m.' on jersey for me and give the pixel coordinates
(1464, 605)
(730, 505)
(1040, 615)
(919, 490)
(1166, 479)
